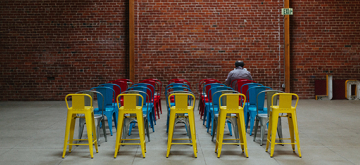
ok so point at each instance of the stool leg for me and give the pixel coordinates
(252, 120)
(103, 127)
(141, 132)
(155, 109)
(262, 133)
(234, 121)
(67, 130)
(90, 132)
(154, 115)
(221, 127)
(269, 132)
(215, 128)
(193, 133)
(170, 133)
(229, 126)
(158, 109)
(167, 121)
(150, 119)
(115, 117)
(246, 116)
(294, 117)
(243, 133)
(212, 122)
(81, 127)
(94, 132)
(201, 111)
(146, 124)
(208, 120)
(97, 126)
(204, 114)
(273, 132)
(256, 127)
(240, 129)
(109, 118)
(217, 135)
(160, 105)
(72, 128)
(199, 106)
(291, 131)
(119, 133)
(279, 130)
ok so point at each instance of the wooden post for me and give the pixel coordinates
(287, 48)
(131, 41)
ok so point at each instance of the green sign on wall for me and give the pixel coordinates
(287, 11)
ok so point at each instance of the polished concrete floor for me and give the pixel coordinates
(33, 133)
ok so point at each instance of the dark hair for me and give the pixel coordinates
(239, 63)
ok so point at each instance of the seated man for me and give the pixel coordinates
(238, 73)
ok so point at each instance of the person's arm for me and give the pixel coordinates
(228, 80)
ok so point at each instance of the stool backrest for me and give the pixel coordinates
(285, 100)
(156, 84)
(115, 87)
(174, 85)
(172, 89)
(145, 96)
(269, 94)
(232, 100)
(89, 102)
(239, 82)
(252, 94)
(216, 93)
(150, 92)
(216, 96)
(78, 101)
(169, 93)
(206, 81)
(128, 82)
(179, 81)
(207, 87)
(122, 83)
(130, 100)
(245, 87)
(182, 100)
(109, 95)
(87, 99)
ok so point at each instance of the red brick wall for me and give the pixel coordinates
(197, 39)
(51, 48)
(325, 38)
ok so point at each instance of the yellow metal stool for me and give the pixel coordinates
(285, 101)
(130, 107)
(78, 107)
(184, 104)
(232, 107)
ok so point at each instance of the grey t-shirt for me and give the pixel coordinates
(238, 73)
